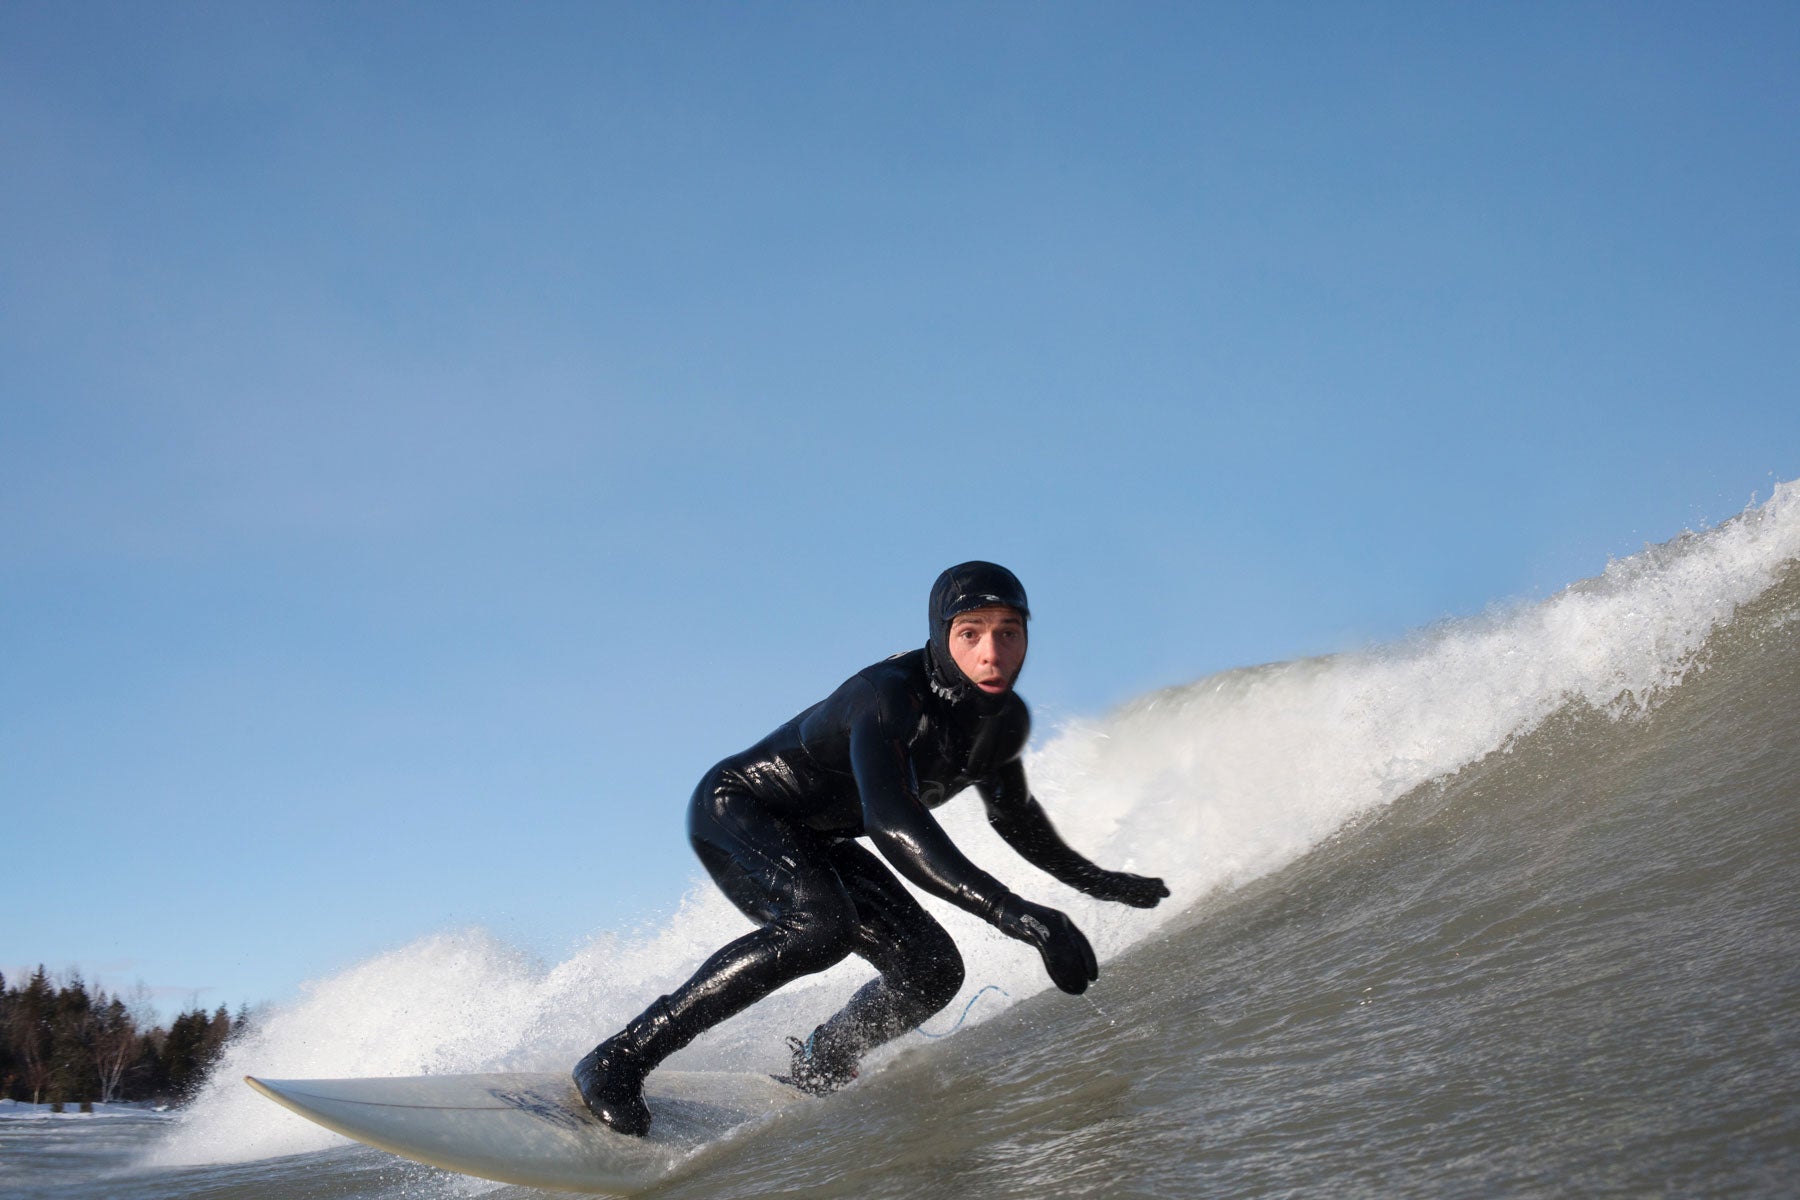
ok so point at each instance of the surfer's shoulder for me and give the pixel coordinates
(895, 688)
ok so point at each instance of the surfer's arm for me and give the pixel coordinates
(903, 830)
(1021, 821)
(909, 837)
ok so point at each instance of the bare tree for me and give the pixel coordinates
(115, 1044)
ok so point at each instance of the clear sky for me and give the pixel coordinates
(431, 434)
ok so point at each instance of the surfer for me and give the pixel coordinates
(777, 826)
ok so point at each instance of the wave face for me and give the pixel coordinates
(1504, 907)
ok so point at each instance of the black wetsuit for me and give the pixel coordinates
(776, 828)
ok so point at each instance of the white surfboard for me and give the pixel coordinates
(532, 1129)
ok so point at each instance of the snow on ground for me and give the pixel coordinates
(20, 1110)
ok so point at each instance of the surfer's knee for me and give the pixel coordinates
(932, 969)
(815, 937)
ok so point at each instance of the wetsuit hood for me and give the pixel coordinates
(964, 588)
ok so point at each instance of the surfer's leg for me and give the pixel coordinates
(777, 875)
(921, 971)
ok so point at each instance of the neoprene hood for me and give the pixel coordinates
(964, 588)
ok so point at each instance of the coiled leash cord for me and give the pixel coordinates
(992, 987)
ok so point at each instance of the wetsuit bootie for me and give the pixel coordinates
(611, 1077)
(611, 1084)
(818, 1069)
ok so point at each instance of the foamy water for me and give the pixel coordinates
(1211, 785)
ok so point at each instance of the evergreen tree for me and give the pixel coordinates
(175, 1057)
(218, 1032)
(73, 1074)
(31, 1034)
(9, 1063)
(188, 1051)
(145, 1074)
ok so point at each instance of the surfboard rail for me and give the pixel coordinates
(531, 1129)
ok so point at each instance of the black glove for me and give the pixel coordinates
(1139, 891)
(1067, 956)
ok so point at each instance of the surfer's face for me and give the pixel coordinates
(988, 645)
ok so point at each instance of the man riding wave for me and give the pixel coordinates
(776, 827)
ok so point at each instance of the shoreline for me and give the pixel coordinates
(24, 1110)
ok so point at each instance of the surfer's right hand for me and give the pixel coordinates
(1067, 956)
(1122, 887)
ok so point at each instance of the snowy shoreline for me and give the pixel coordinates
(19, 1110)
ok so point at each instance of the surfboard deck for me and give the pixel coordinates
(532, 1129)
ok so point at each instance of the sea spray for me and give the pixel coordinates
(1210, 785)
(1224, 780)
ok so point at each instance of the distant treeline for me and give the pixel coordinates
(62, 1044)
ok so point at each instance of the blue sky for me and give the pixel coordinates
(431, 434)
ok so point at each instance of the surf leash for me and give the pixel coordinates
(992, 987)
